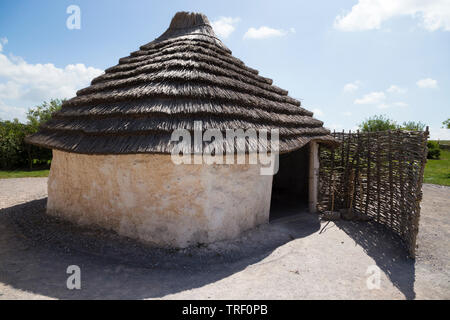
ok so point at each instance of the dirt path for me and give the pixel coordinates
(295, 258)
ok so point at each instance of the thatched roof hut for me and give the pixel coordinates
(187, 73)
(116, 134)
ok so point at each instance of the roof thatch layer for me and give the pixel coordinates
(185, 75)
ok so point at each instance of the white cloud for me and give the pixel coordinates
(396, 89)
(336, 126)
(317, 112)
(347, 113)
(390, 105)
(224, 26)
(378, 98)
(439, 133)
(427, 83)
(264, 33)
(24, 85)
(383, 106)
(400, 104)
(9, 90)
(8, 112)
(370, 14)
(3, 41)
(352, 86)
(371, 98)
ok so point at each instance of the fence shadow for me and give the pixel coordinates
(35, 253)
(388, 251)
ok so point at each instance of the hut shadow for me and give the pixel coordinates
(388, 251)
(35, 255)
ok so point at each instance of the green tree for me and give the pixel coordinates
(446, 123)
(13, 150)
(36, 117)
(42, 113)
(413, 126)
(377, 123)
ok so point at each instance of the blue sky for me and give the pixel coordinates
(345, 60)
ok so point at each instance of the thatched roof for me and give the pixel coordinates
(185, 75)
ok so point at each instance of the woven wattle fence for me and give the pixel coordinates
(379, 175)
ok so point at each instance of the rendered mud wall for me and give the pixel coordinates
(149, 198)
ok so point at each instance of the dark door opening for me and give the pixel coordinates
(290, 185)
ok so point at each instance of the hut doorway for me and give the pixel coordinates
(290, 184)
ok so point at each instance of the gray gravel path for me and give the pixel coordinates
(15, 191)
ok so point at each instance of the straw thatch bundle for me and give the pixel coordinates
(185, 75)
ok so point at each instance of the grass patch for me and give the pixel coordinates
(438, 171)
(23, 173)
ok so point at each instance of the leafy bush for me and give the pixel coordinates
(14, 152)
(413, 126)
(446, 123)
(383, 123)
(378, 123)
(434, 152)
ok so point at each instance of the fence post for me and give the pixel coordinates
(369, 163)
(391, 187)
(343, 149)
(347, 171)
(402, 184)
(313, 173)
(343, 170)
(378, 176)
(356, 181)
(331, 190)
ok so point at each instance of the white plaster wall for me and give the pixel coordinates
(149, 198)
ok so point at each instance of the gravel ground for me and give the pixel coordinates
(297, 257)
(16, 191)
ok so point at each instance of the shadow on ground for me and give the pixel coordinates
(387, 250)
(35, 251)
